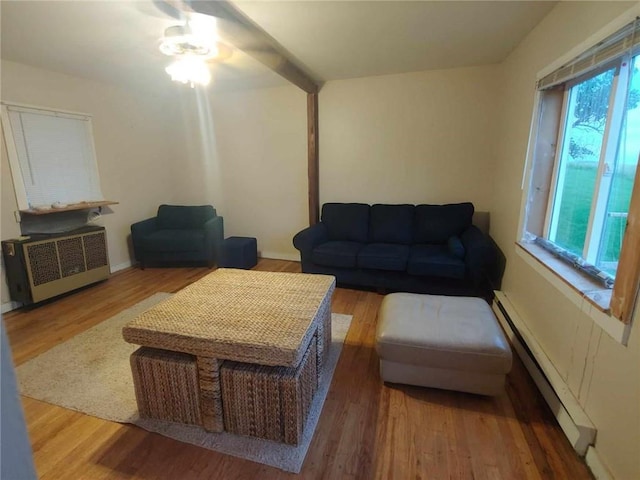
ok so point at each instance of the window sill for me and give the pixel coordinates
(586, 294)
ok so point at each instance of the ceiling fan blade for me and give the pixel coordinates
(170, 8)
(162, 9)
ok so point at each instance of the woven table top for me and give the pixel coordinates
(242, 315)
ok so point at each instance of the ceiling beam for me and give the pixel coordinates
(244, 34)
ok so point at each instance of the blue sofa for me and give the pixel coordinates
(414, 248)
(178, 234)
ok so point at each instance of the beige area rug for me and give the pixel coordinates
(91, 374)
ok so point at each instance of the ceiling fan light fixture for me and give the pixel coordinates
(182, 40)
(189, 69)
(193, 45)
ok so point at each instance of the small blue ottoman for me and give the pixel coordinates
(239, 252)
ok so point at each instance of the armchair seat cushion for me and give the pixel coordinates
(337, 253)
(384, 256)
(186, 240)
(436, 261)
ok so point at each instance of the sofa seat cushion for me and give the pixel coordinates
(436, 261)
(187, 240)
(337, 253)
(384, 256)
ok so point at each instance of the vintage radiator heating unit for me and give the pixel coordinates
(39, 267)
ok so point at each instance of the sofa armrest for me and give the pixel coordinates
(480, 253)
(144, 227)
(307, 239)
(214, 236)
(138, 231)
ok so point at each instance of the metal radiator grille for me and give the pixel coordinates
(44, 263)
(71, 256)
(95, 250)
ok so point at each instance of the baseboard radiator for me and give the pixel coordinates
(572, 419)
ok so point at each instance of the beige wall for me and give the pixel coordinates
(136, 146)
(248, 150)
(199, 159)
(602, 374)
(415, 138)
(426, 137)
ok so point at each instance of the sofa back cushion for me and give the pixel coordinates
(183, 217)
(391, 224)
(346, 221)
(436, 223)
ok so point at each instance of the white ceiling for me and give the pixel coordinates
(116, 41)
(350, 39)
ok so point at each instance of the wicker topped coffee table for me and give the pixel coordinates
(264, 318)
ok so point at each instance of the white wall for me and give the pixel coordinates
(602, 374)
(136, 139)
(426, 137)
(248, 150)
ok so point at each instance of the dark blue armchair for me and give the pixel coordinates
(178, 235)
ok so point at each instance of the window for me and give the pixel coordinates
(597, 160)
(51, 156)
(585, 159)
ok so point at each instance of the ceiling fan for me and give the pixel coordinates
(208, 33)
(193, 44)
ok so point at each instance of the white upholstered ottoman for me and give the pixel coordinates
(453, 343)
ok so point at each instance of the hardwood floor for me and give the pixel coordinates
(368, 430)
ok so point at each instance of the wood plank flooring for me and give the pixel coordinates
(368, 430)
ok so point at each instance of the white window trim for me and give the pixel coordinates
(615, 116)
(612, 326)
(12, 152)
(14, 165)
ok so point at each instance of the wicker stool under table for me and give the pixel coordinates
(269, 402)
(166, 385)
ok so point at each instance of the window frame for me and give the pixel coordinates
(18, 180)
(608, 150)
(613, 315)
